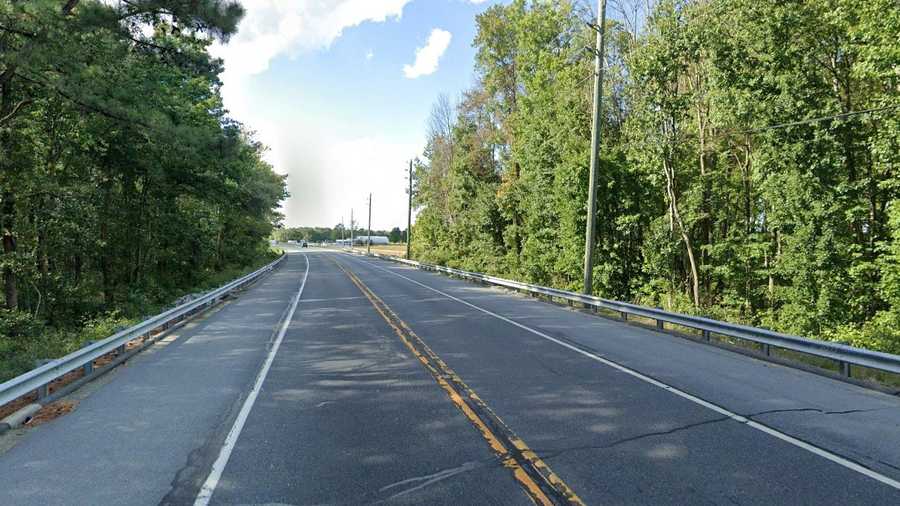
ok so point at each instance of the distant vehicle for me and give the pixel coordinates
(291, 241)
(375, 239)
(304, 244)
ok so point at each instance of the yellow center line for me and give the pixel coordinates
(529, 470)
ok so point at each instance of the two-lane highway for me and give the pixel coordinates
(365, 381)
(349, 416)
(619, 437)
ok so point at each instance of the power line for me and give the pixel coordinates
(821, 118)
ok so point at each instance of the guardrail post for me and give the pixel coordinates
(623, 315)
(660, 325)
(88, 368)
(845, 368)
(706, 336)
(120, 350)
(767, 349)
(43, 390)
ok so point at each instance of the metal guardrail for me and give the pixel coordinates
(843, 354)
(37, 379)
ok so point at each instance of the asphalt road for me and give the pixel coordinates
(382, 383)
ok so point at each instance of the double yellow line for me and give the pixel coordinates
(541, 484)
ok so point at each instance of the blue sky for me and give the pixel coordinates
(335, 89)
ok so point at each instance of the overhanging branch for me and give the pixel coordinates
(15, 110)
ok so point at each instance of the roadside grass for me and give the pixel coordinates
(25, 340)
(28, 340)
(394, 250)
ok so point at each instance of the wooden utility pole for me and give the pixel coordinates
(409, 213)
(369, 237)
(591, 227)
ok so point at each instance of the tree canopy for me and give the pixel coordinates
(748, 162)
(339, 231)
(123, 181)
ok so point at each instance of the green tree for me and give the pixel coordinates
(123, 183)
(748, 159)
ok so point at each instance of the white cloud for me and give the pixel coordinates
(274, 27)
(329, 170)
(427, 57)
(355, 167)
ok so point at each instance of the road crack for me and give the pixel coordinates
(420, 482)
(550, 454)
(811, 410)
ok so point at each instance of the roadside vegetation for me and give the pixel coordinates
(123, 182)
(394, 250)
(749, 172)
(323, 234)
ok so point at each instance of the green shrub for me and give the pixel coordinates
(18, 333)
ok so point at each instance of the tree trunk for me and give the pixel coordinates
(770, 265)
(8, 210)
(10, 289)
(105, 267)
(705, 206)
(517, 217)
(220, 241)
(676, 217)
(43, 265)
(77, 266)
(874, 223)
(105, 270)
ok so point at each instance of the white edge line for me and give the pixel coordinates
(218, 467)
(837, 459)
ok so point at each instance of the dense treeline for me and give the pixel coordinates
(750, 155)
(339, 231)
(123, 183)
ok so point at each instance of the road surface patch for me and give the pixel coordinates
(541, 484)
(52, 411)
(747, 420)
(218, 467)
